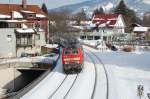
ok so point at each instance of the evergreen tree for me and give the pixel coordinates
(101, 10)
(128, 14)
(98, 11)
(44, 8)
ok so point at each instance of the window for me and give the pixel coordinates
(83, 37)
(31, 15)
(9, 37)
(74, 51)
(24, 40)
(67, 52)
(90, 37)
(96, 37)
(12, 25)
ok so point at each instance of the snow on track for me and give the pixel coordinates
(101, 89)
(65, 87)
(83, 88)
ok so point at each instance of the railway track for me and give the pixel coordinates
(62, 91)
(95, 83)
(64, 94)
(65, 87)
(106, 75)
(72, 85)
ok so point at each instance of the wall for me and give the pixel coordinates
(120, 24)
(10, 75)
(7, 45)
(41, 40)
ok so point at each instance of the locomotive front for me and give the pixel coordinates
(72, 59)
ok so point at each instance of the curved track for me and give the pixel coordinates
(76, 86)
(95, 84)
(106, 74)
(64, 88)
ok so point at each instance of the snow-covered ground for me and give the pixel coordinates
(126, 71)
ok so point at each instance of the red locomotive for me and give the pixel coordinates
(72, 59)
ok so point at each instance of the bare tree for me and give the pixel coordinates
(80, 16)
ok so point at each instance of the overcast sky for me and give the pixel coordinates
(50, 3)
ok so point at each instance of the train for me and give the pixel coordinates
(73, 58)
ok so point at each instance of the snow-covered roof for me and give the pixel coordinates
(108, 19)
(40, 16)
(25, 30)
(14, 20)
(17, 14)
(51, 45)
(27, 11)
(4, 16)
(140, 29)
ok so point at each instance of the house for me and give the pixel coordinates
(30, 15)
(109, 24)
(141, 32)
(23, 28)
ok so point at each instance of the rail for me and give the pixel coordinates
(106, 74)
(92, 97)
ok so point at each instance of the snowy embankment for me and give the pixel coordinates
(26, 60)
(55, 86)
(125, 72)
(48, 85)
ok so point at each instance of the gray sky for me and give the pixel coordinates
(50, 3)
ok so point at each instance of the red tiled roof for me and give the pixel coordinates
(108, 19)
(6, 9)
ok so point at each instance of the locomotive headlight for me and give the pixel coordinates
(67, 59)
(76, 59)
(70, 59)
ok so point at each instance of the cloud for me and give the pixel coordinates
(146, 1)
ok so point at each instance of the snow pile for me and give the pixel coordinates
(5, 16)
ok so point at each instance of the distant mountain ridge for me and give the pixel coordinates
(137, 5)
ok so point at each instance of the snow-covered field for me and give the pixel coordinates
(126, 71)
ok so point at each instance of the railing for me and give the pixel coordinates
(25, 63)
(138, 43)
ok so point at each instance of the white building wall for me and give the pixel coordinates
(40, 41)
(120, 25)
(7, 43)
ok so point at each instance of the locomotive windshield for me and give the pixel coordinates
(71, 51)
(67, 52)
(74, 51)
